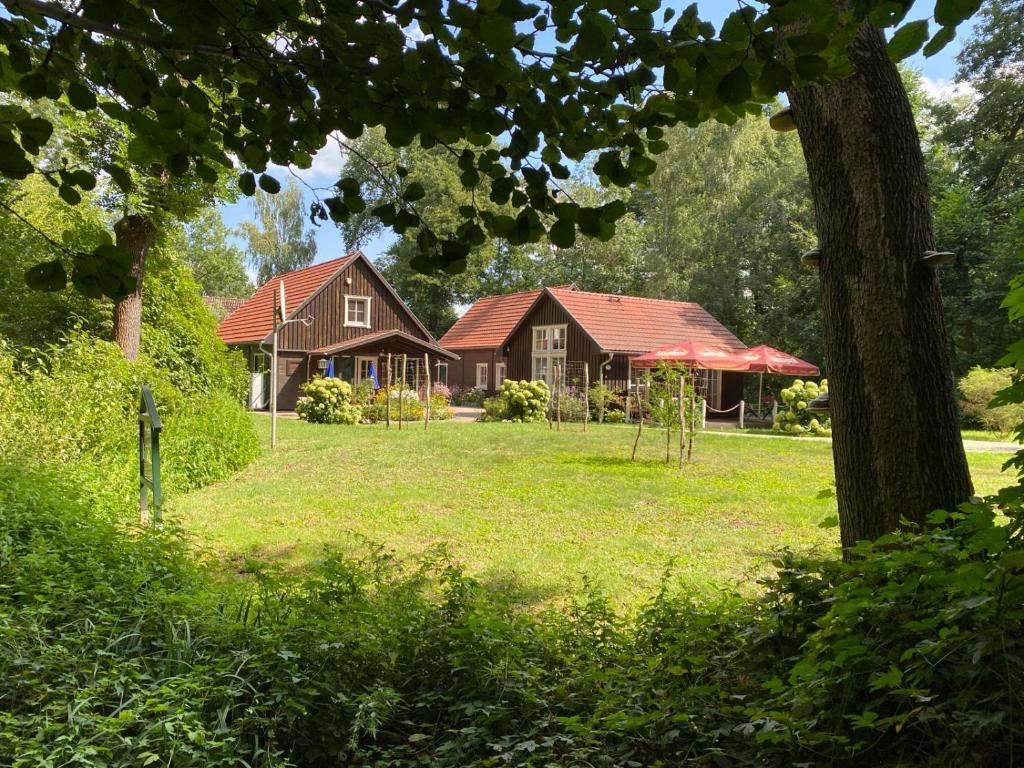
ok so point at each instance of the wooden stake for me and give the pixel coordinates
(640, 419)
(387, 399)
(693, 426)
(558, 402)
(401, 394)
(586, 395)
(426, 405)
(682, 417)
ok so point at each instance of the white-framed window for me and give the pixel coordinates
(258, 362)
(441, 377)
(549, 346)
(481, 375)
(499, 374)
(357, 311)
(363, 368)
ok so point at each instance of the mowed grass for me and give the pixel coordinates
(525, 508)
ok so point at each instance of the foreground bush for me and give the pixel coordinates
(117, 648)
(328, 401)
(979, 387)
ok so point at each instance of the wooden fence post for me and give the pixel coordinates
(682, 417)
(401, 394)
(640, 418)
(387, 395)
(586, 395)
(426, 404)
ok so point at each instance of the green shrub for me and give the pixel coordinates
(519, 401)
(328, 401)
(467, 396)
(794, 418)
(615, 417)
(979, 388)
(603, 399)
(75, 408)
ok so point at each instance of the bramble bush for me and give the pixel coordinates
(794, 418)
(328, 401)
(518, 401)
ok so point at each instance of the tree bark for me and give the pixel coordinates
(135, 234)
(895, 434)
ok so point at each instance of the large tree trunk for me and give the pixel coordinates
(896, 439)
(135, 234)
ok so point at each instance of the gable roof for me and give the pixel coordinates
(252, 321)
(489, 321)
(633, 324)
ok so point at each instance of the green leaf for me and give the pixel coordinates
(811, 67)
(414, 192)
(775, 77)
(562, 234)
(81, 98)
(206, 173)
(949, 13)
(48, 276)
(498, 32)
(34, 85)
(121, 177)
(69, 194)
(82, 179)
(130, 85)
(804, 45)
(470, 178)
(247, 184)
(592, 39)
(178, 163)
(488, 5)
(908, 40)
(735, 87)
(940, 40)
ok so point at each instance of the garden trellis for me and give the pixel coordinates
(570, 393)
(407, 378)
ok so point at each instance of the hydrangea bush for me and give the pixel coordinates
(328, 401)
(796, 419)
(519, 401)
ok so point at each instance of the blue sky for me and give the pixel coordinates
(938, 72)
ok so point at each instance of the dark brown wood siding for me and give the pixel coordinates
(462, 372)
(326, 309)
(579, 347)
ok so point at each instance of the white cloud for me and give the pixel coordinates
(942, 89)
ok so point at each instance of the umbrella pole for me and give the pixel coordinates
(760, 384)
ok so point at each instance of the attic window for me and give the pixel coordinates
(357, 311)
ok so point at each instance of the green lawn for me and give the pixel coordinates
(529, 509)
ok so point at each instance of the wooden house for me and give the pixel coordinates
(526, 335)
(345, 312)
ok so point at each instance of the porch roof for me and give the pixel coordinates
(385, 341)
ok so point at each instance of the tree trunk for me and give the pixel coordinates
(896, 439)
(135, 234)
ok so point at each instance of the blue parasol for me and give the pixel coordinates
(329, 372)
(372, 370)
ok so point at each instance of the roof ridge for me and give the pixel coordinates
(624, 296)
(317, 265)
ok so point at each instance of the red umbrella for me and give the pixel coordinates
(765, 359)
(695, 354)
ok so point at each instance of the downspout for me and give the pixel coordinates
(607, 361)
(266, 395)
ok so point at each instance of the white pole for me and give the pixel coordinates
(704, 413)
(273, 387)
(742, 407)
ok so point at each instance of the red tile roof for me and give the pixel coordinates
(634, 324)
(252, 321)
(486, 324)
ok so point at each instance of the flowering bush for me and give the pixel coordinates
(518, 401)
(796, 419)
(328, 401)
(470, 396)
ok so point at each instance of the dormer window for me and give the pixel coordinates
(357, 311)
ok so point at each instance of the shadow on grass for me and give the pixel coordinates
(619, 462)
